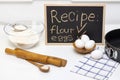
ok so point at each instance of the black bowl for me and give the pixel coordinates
(112, 44)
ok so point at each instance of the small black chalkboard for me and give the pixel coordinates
(65, 23)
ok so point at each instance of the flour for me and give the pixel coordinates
(24, 39)
(18, 27)
(45, 67)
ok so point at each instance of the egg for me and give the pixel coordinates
(96, 54)
(89, 44)
(85, 38)
(79, 43)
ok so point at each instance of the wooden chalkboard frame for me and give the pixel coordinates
(81, 4)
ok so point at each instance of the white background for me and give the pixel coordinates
(11, 12)
(13, 68)
(14, 0)
(98, 0)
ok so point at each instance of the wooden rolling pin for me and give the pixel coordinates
(36, 57)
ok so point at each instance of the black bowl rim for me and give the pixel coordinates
(106, 42)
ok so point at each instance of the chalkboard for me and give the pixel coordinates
(65, 23)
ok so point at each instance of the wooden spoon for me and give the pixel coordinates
(42, 67)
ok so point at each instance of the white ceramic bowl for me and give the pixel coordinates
(24, 35)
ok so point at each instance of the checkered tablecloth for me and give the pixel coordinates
(98, 69)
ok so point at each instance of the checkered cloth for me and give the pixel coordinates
(98, 69)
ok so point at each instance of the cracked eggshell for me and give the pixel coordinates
(79, 43)
(89, 44)
(85, 38)
(96, 54)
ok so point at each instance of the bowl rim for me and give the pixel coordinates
(107, 42)
(29, 27)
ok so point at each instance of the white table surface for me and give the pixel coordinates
(12, 68)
